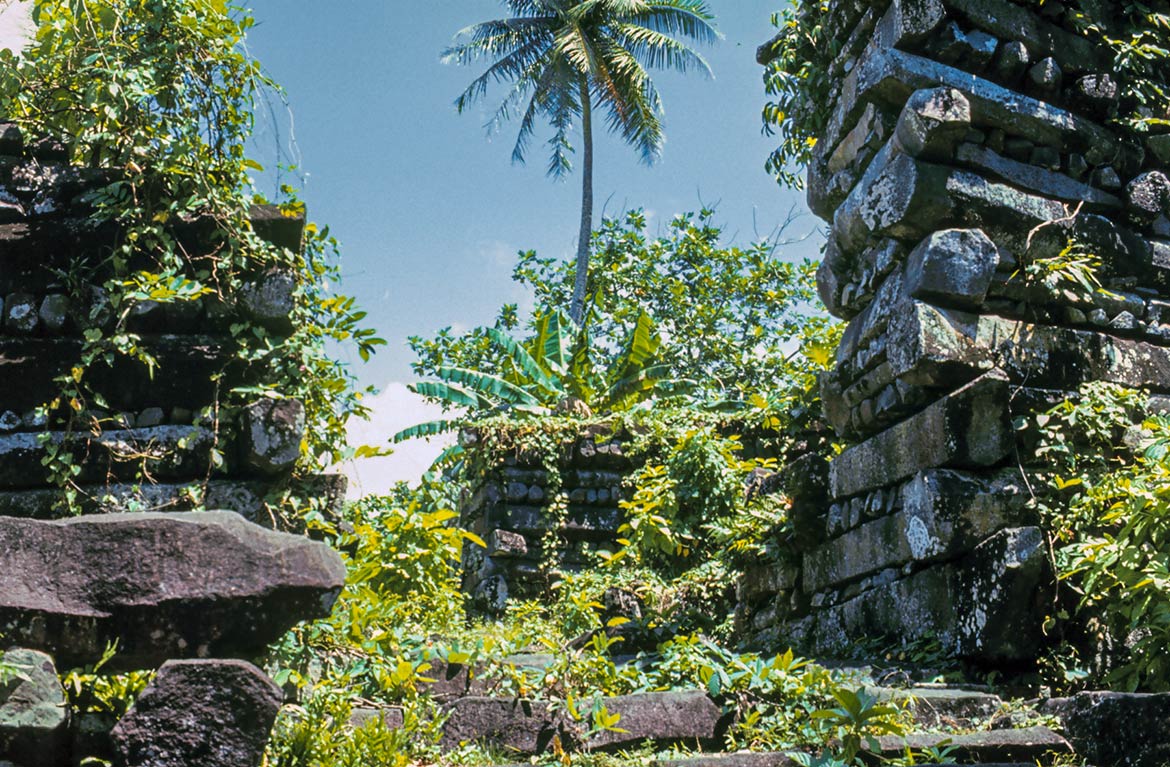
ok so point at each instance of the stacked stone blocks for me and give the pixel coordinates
(968, 141)
(195, 594)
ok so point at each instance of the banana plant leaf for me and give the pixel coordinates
(488, 385)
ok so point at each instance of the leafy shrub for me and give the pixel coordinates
(1107, 507)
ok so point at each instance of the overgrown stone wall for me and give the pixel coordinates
(538, 514)
(970, 146)
(83, 583)
(155, 440)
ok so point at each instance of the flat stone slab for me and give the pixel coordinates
(662, 718)
(34, 719)
(936, 707)
(971, 428)
(211, 713)
(1029, 745)
(181, 585)
(520, 727)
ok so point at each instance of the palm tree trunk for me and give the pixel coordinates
(577, 307)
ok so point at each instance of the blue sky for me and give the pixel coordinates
(430, 212)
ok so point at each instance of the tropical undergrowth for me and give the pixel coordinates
(1105, 500)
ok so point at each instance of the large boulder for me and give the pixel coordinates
(210, 713)
(181, 585)
(34, 721)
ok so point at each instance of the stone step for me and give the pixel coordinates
(159, 452)
(1034, 745)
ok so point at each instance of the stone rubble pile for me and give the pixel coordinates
(197, 593)
(970, 144)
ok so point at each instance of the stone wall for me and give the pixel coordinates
(520, 512)
(968, 140)
(193, 594)
(149, 445)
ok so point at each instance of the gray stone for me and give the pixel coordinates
(9, 421)
(20, 314)
(151, 416)
(515, 727)
(191, 584)
(954, 267)
(213, 713)
(1148, 196)
(1033, 745)
(271, 432)
(1159, 146)
(1029, 177)
(54, 313)
(933, 123)
(502, 543)
(945, 515)
(968, 429)
(1107, 178)
(270, 300)
(34, 718)
(1003, 590)
(1011, 62)
(1113, 728)
(1045, 79)
(953, 45)
(1009, 21)
(1096, 93)
(892, 75)
(662, 718)
(164, 452)
(935, 708)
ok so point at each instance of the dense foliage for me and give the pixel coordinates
(155, 98)
(1106, 501)
(736, 322)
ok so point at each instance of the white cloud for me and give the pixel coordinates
(15, 24)
(393, 410)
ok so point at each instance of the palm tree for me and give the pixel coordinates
(562, 58)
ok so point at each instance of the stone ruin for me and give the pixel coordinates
(197, 593)
(510, 506)
(968, 139)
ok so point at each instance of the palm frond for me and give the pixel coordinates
(428, 429)
(656, 50)
(525, 361)
(679, 18)
(487, 385)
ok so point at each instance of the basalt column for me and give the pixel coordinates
(969, 141)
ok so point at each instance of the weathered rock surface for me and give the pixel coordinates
(663, 718)
(513, 726)
(272, 432)
(1114, 729)
(969, 429)
(211, 713)
(192, 584)
(1030, 745)
(34, 719)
